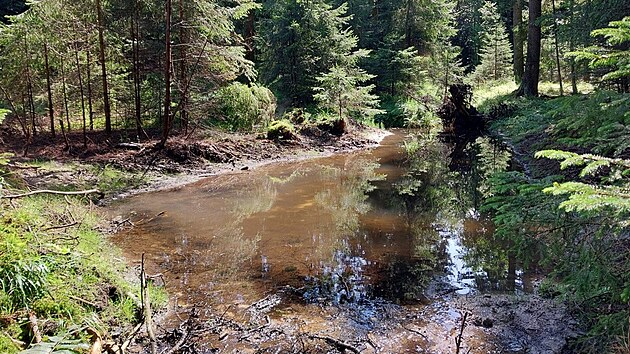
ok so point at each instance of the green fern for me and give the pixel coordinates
(58, 345)
(612, 193)
(618, 61)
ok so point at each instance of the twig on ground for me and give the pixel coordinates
(37, 335)
(415, 331)
(179, 343)
(336, 343)
(96, 306)
(18, 343)
(61, 226)
(133, 333)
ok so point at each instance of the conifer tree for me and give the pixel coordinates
(496, 54)
(340, 89)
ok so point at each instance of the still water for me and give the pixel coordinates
(398, 224)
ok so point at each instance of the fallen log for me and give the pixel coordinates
(46, 191)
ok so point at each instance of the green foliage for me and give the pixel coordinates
(3, 114)
(23, 281)
(243, 107)
(616, 61)
(612, 194)
(520, 211)
(281, 130)
(496, 54)
(45, 270)
(578, 227)
(299, 41)
(445, 65)
(599, 121)
(340, 90)
(420, 115)
(58, 345)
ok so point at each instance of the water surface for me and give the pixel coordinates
(377, 225)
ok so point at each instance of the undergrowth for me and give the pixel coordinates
(57, 266)
(584, 246)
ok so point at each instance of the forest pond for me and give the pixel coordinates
(359, 245)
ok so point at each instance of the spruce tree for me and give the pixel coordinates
(496, 54)
(340, 89)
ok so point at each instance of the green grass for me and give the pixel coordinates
(58, 273)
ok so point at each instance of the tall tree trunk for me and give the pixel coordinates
(183, 63)
(574, 88)
(167, 76)
(518, 31)
(89, 84)
(65, 92)
(555, 34)
(135, 34)
(29, 88)
(408, 39)
(101, 42)
(51, 110)
(529, 84)
(80, 77)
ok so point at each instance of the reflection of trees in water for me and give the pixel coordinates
(340, 277)
(437, 192)
(229, 250)
(346, 197)
(489, 258)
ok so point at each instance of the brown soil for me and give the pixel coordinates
(182, 160)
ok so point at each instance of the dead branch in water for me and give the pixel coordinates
(146, 304)
(46, 191)
(458, 340)
(341, 346)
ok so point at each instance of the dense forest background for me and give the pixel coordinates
(550, 76)
(103, 65)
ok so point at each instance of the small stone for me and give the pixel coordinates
(487, 323)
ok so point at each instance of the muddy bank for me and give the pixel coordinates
(144, 168)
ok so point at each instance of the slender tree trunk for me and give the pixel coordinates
(167, 76)
(408, 40)
(574, 88)
(250, 33)
(80, 77)
(555, 35)
(101, 42)
(21, 120)
(518, 31)
(135, 34)
(496, 61)
(65, 92)
(183, 39)
(89, 85)
(29, 88)
(529, 84)
(51, 110)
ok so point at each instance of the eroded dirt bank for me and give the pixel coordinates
(184, 159)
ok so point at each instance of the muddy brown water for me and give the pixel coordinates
(356, 239)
